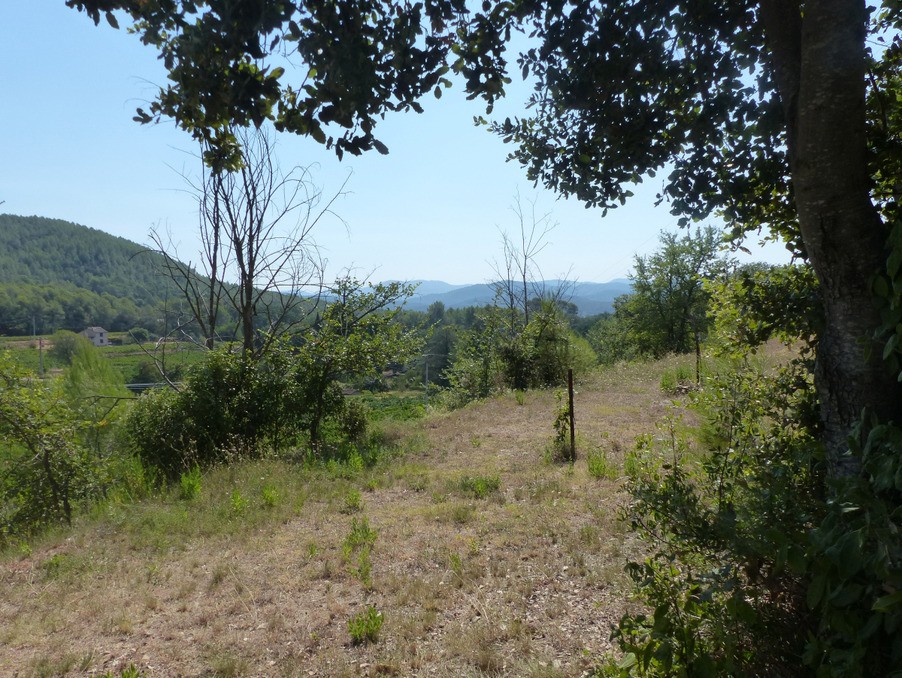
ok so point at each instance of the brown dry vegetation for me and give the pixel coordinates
(251, 579)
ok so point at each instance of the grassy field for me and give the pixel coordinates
(476, 555)
(126, 358)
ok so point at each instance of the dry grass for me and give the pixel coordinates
(524, 580)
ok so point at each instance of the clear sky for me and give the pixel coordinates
(431, 209)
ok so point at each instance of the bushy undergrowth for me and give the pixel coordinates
(55, 446)
(729, 529)
(232, 406)
(500, 354)
(760, 564)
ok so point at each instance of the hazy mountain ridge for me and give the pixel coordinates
(57, 274)
(590, 297)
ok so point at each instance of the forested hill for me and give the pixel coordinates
(62, 275)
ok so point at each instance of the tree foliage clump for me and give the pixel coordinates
(47, 469)
(226, 408)
(729, 532)
(498, 354)
(237, 404)
(760, 565)
(356, 335)
(667, 310)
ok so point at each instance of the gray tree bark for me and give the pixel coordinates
(819, 61)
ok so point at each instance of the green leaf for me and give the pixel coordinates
(815, 591)
(629, 660)
(886, 603)
(318, 134)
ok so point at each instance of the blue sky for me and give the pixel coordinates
(431, 209)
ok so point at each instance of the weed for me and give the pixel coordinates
(270, 496)
(352, 502)
(560, 448)
(312, 550)
(360, 535)
(130, 671)
(365, 566)
(219, 575)
(228, 666)
(63, 566)
(457, 566)
(364, 627)
(360, 540)
(677, 380)
(189, 484)
(48, 668)
(520, 397)
(599, 466)
(355, 463)
(238, 503)
(632, 464)
(479, 486)
(589, 536)
(462, 513)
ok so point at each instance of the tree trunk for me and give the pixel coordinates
(819, 62)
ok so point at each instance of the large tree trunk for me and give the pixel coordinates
(819, 61)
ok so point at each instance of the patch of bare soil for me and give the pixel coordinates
(525, 581)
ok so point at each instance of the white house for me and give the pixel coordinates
(97, 335)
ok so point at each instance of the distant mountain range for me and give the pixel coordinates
(590, 297)
(55, 274)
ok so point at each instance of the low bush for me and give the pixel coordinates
(46, 470)
(365, 627)
(228, 407)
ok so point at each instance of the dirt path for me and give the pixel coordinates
(525, 581)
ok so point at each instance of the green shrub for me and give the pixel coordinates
(559, 450)
(65, 344)
(352, 502)
(361, 535)
(270, 496)
(680, 378)
(228, 407)
(479, 487)
(364, 627)
(45, 471)
(189, 484)
(358, 544)
(354, 418)
(599, 466)
(728, 531)
(237, 503)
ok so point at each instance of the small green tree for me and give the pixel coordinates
(65, 344)
(355, 335)
(667, 309)
(44, 471)
(95, 391)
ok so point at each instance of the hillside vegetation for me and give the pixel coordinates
(481, 557)
(66, 276)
